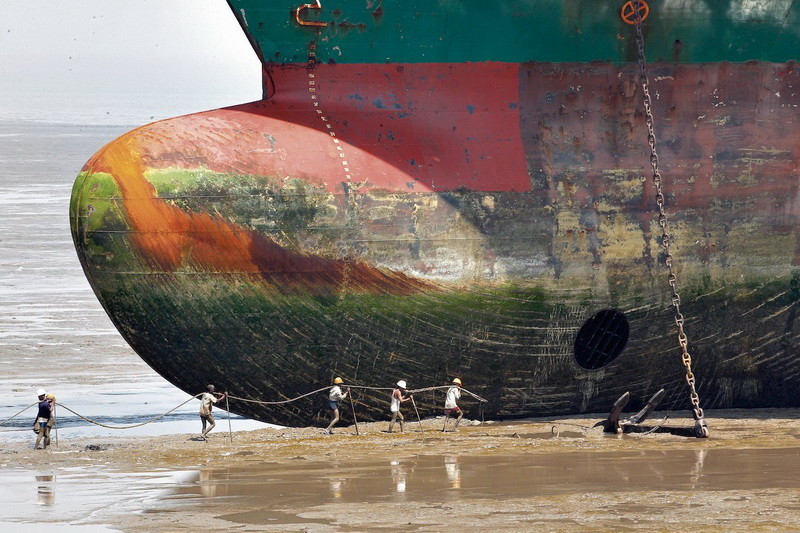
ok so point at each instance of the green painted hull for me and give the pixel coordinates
(518, 31)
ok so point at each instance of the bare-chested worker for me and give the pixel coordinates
(207, 400)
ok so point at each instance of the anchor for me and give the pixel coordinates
(613, 424)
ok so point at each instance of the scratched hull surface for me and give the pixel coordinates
(422, 220)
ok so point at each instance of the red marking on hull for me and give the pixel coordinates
(414, 127)
(717, 125)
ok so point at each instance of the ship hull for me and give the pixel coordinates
(422, 221)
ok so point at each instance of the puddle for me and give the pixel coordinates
(560, 490)
(428, 478)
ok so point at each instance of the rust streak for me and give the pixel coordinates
(170, 238)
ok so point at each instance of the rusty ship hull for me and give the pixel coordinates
(490, 218)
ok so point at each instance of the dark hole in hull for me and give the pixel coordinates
(601, 339)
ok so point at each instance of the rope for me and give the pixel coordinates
(9, 419)
(426, 389)
(652, 429)
(130, 426)
(280, 402)
(249, 400)
(363, 387)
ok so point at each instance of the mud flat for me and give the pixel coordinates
(534, 474)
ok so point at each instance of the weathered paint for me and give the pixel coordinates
(429, 219)
(169, 238)
(517, 31)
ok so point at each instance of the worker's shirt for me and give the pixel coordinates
(395, 405)
(453, 395)
(206, 401)
(336, 394)
(45, 410)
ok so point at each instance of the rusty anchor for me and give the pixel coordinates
(613, 424)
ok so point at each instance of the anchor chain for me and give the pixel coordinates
(700, 426)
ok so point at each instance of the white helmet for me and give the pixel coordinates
(41, 392)
(401, 384)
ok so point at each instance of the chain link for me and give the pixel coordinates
(700, 427)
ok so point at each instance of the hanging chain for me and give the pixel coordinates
(700, 427)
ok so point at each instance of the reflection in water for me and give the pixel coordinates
(208, 486)
(46, 490)
(453, 470)
(398, 476)
(288, 492)
(697, 470)
(498, 476)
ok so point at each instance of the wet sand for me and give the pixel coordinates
(500, 476)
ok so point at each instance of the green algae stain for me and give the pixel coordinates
(100, 228)
(285, 208)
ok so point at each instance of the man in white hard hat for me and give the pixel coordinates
(450, 404)
(44, 420)
(399, 396)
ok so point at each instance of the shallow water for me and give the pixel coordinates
(562, 490)
(53, 331)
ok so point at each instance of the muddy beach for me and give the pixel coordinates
(535, 474)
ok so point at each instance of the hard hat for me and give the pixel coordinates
(338, 381)
(457, 381)
(40, 392)
(50, 396)
(401, 384)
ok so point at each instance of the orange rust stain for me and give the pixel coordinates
(165, 234)
(168, 238)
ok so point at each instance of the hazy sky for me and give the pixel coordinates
(94, 52)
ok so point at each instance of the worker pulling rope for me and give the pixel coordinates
(248, 400)
(482, 401)
(362, 387)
